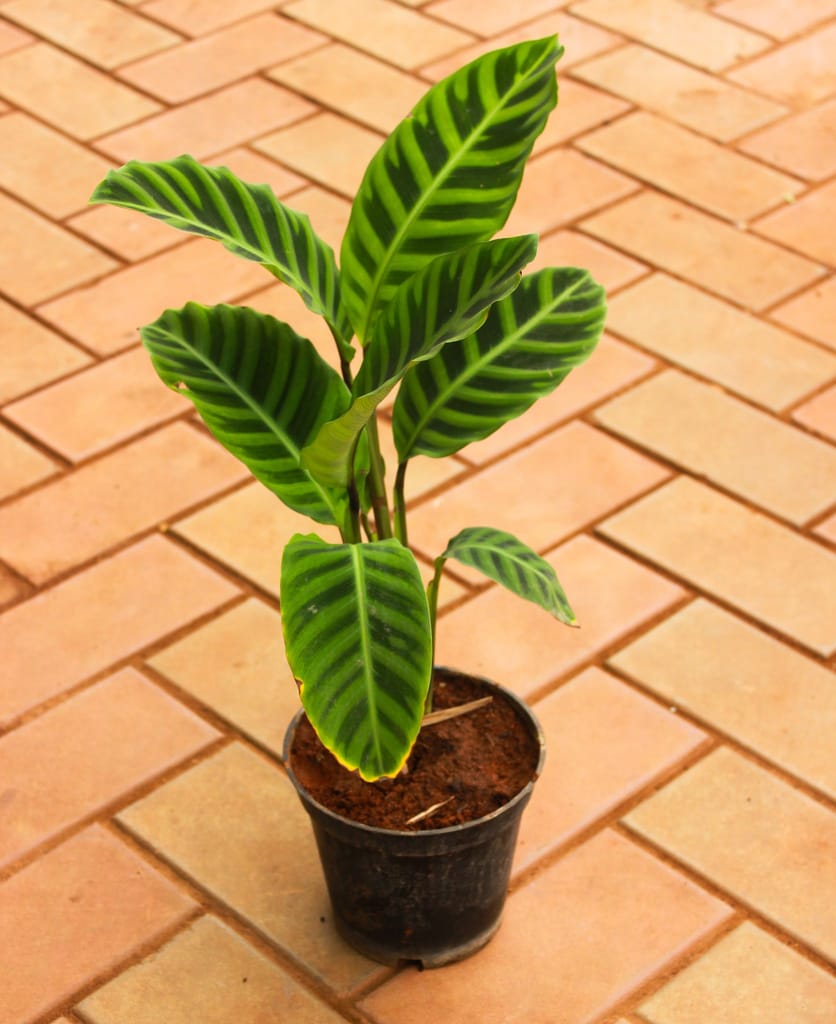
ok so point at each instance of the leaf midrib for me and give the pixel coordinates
(365, 645)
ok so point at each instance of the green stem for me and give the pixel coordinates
(432, 600)
(377, 487)
(400, 505)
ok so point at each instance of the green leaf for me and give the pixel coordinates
(506, 560)
(247, 219)
(445, 301)
(528, 344)
(357, 633)
(260, 389)
(448, 175)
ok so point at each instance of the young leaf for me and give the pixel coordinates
(247, 219)
(529, 342)
(448, 174)
(250, 377)
(445, 301)
(506, 560)
(357, 633)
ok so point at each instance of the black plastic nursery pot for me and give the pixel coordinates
(433, 896)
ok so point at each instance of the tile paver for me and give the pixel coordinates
(83, 908)
(747, 978)
(719, 544)
(88, 751)
(741, 352)
(755, 837)
(581, 919)
(716, 436)
(735, 678)
(177, 986)
(680, 482)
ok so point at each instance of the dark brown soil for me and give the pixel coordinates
(477, 762)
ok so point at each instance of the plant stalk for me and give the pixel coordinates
(400, 505)
(432, 601)
(380, 505)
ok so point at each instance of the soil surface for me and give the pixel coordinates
(476, 763)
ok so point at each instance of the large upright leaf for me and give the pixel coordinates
(248, 219)
(445, 301)
(502, 557)
(528, 344)
(357, 632)
(261, 389)
(448, 174)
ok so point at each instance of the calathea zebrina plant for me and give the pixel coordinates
(435, 305)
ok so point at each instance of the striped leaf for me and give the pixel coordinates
(251, 379)
(445, 301)
(247, 219)
(448, 174)
(357, 633)
(506, 560)
(528, 344)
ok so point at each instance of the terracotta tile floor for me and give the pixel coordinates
(677, 862)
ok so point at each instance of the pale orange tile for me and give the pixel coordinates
(704, 102)
(171, 985)
(49, 171)
(690, 166)
(98, 617)
(819, 413)
(87, 752)
(712, 435)
(210, 124)
(12, 38)
(778, 18)
(579, 109)
(423, 475)
(580, 937)
(767, 570)
(102, 32)
(743, 353)
(106, 316)
(604, 743)
(400, 36)
(108, 501)
(749, 977)
(490, 17)
(21, 465)
(39, 259)
(30, 354)
(257, 169)
(736, 265)
(808, 225)
(12, 588)
(196, 17)
(235, 826)
(103, 406)
(126, 233)
(327, 148)
(743, 682)
(827, 529)
(68, 93)
(804, 144)
(559, 187)
(365, 89)
(78, 912)
(677, 28)
(502, 637)
(611, 367)
(186, 71)
(798, 73)
(580, 474)
(812, 313)
(270, 525)
(759, 839)
(567, 248)
(236, 666)
(580, 40)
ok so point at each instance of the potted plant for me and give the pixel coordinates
(439, 309)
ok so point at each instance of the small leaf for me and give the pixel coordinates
(506, 560)
(247, 219)
(357, 632)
